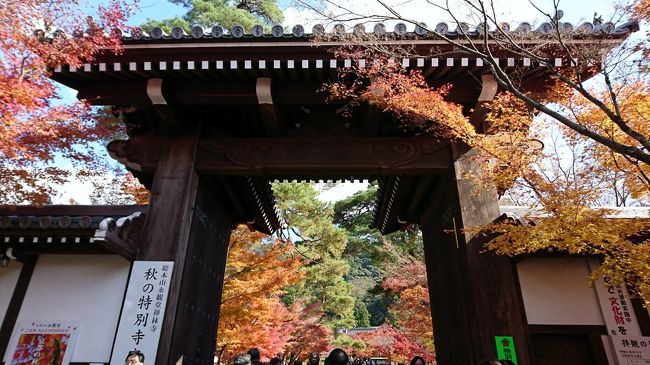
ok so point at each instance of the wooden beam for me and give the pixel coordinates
(201, 93)
(323, 156)
(563, 329)
(295, 156)
(16, 302)
(71, 210)
(31, 249)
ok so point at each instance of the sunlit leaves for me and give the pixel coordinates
(392, 344)
(36, 126)
(252, 314)
(564, 181)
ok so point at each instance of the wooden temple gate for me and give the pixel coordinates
(214, 118)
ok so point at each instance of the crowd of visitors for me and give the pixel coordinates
(336, 357)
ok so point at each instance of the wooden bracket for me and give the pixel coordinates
(270, 115)
(155, 94)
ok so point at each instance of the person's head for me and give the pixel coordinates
(275, 361)
(314, 358)
(255, 355)
(491, 362)
(337, 357)
(242, 360)
(134, 357)
(417, 361)
(297, 362)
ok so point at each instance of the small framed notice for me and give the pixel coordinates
(43, 342)
(143, 311)
(632, 350)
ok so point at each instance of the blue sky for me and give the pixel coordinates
(161, 9)
(512, 10)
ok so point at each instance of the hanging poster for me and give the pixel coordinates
(143, 311)
(44, 342)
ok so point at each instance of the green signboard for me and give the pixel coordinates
(506, 348)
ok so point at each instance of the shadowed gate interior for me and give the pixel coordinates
(212, 120)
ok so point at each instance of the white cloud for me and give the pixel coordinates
(341, 191)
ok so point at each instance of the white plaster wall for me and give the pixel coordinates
(84, 288)
(556, 291)
(8, 279)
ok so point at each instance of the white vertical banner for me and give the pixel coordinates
(143, 310)
(630, 348)
(616, 308)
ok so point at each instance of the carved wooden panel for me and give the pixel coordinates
(322, 156)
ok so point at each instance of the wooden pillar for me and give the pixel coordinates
(474, 295)
(185, 225)
(447, 281)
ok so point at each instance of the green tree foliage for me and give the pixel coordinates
(207, 13)
(361, 315)
(349, 343)
(370, 255)
(310, 225)
(310, 221)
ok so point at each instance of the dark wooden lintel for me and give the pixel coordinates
(567, 329)
(30, 249)
(308, 157)
(323, 156)
(201, 93)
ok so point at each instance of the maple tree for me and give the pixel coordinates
(259, 271)
(496, 38)
(37, 126)
(601, 153)
(391, 343)
(412, 310)
(251, 313)
(372, 255)
(306, 331)
(114, 186)
(387, 267)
